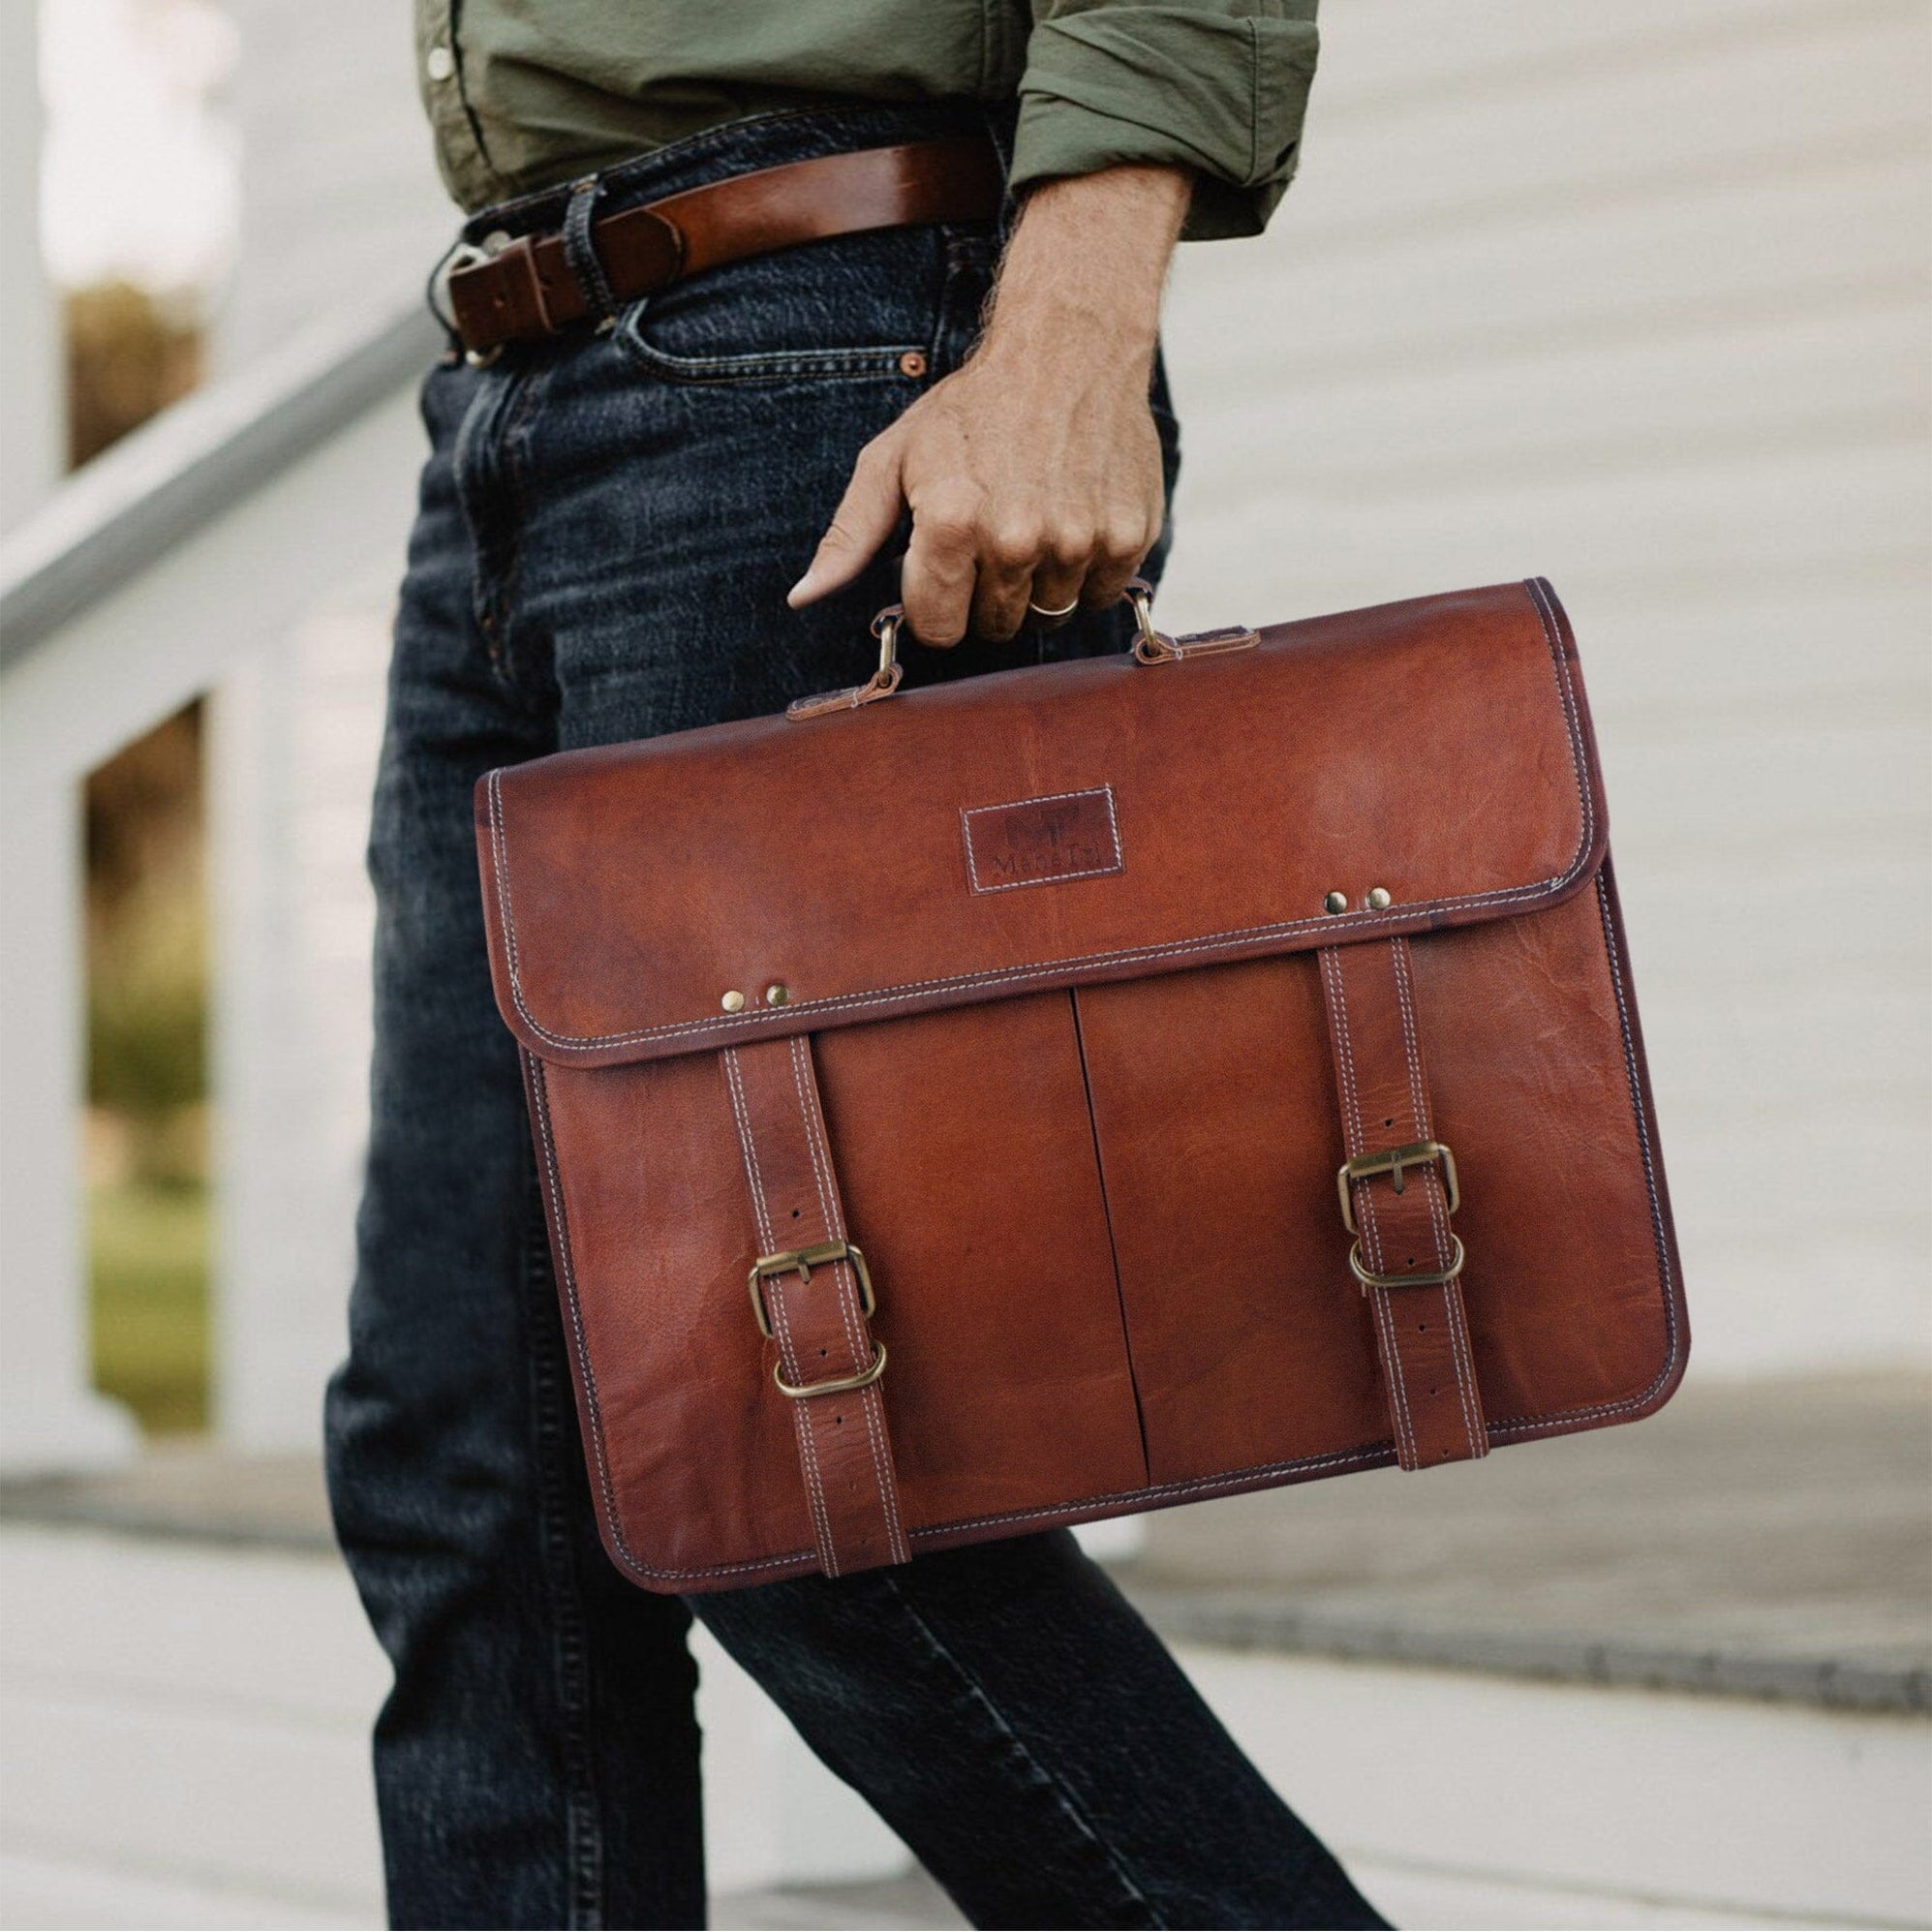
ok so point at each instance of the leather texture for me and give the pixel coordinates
(1030, 986)
(526, 290)
(1403, 1218)
(818, 1322)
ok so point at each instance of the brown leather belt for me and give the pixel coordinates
(524, 290)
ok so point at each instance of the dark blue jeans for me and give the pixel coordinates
(607, 531)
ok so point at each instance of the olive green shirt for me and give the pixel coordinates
(524, 94)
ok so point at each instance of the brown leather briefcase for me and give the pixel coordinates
(1085, 1088)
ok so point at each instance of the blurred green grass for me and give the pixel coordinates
(148, 1254)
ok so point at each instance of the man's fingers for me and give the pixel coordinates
(1057, 586)
(868, 513)
(938, 579)
(1121, 551)
(1009, 555)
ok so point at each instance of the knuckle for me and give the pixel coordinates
(948, 526)
(1072, 543)
(1016, 541)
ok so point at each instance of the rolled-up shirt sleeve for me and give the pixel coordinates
(1217, 86)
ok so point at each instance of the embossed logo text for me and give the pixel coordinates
(1042, 841)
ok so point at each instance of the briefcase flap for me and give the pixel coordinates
(1418, 765)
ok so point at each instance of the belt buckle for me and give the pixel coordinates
(802, 1260)
(464, 255)
(1428, 1277)
(1391, 1162)
(1417, 1153)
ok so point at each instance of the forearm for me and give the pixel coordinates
(1087, 259)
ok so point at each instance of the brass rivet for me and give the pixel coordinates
(1378, 899)
(777, 993)
(733, 1001)
(913, 363)
(1336, 902)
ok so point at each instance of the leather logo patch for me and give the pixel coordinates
(1042, 841)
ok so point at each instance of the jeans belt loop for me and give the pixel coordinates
(580, 253)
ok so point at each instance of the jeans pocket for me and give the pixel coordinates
(857, 306)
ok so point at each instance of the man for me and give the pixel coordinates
(632, 456)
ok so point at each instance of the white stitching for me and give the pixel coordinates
(1106, 791)
(1194, 1486)
(1383, 1317)
(1411, 1053)
(1522, 1425)
(1354, 1136)
(1460, 1356)
(781, 1316)
(554, 1188)
(802, 1427)
(1259, 1474)
(1355, 924)
(1455, 1309)
(1378, 1300)
(851, 1311)
(775, 1302)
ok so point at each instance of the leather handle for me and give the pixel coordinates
(1151, 647)
(882, 682)
(1156, 647)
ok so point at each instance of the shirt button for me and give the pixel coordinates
(440, 64)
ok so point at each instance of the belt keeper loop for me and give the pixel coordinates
(580, 253)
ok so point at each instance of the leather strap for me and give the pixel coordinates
(525, 291)
(1422, 1330)
(816, 1311)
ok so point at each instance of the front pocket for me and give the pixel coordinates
(1218, 1132)
(855, 306)
(774, 366)
(965, 1153)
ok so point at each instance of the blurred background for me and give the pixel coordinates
(1634, 297)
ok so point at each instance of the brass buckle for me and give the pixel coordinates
(804, 1259)
(1438, 1277)
(863, 1379)
(1393, 1162)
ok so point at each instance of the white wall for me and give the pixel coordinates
(340, 205)
(295, 731)
(340, 198)
(1635, 297)
(32, 407)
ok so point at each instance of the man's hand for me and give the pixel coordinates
(1033, 473)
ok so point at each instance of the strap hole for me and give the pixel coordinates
(1422, 1328)
(1389, 1121)
(838, 1418)
(794, 1213)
